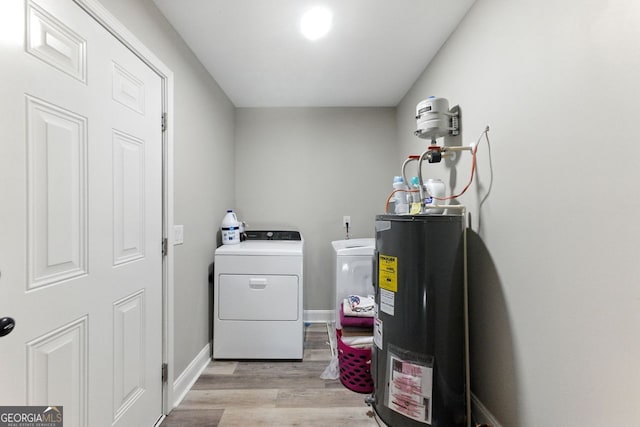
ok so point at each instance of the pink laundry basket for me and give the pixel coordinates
(355, 366)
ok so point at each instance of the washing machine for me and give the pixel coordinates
(258, 297)
(352, 270)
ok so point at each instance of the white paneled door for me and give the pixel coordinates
(80, 218)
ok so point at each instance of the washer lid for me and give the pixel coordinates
(263, 247)
(354, 246)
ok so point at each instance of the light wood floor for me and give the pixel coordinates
(273, 393)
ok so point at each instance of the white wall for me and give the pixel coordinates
(203, 147)
(555, 289)
(308, 167)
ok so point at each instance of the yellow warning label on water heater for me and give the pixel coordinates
(388, 272)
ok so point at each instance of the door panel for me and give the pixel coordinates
(80, 253)
(55, 43)
(128, 351)
(57, 370)
(128, 192)
(57, 188)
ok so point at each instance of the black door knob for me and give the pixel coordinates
(6, 326)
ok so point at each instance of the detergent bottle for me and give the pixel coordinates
(230, 228)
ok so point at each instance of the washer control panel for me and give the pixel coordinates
(273, 235)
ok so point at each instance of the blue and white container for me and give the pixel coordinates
(400, 198)
(230, 229)
(415, 187)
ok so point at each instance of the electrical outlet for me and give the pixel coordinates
(346, 220)
(178, 234)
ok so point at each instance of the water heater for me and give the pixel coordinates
(418, 358)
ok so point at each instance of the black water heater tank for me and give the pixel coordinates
(418, 359)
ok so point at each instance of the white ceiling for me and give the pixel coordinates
(374, 52)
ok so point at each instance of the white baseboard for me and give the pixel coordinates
(190, 375)
(482, 414)
(319, 316)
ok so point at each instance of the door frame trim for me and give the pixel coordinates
(98, 12)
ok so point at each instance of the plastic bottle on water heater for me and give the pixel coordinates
(230, 228)
(400, 197)
(435, 188)
(415, 186)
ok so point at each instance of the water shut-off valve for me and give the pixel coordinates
(434, 154)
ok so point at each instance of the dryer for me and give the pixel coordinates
(258, 297)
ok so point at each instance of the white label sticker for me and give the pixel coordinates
(377, 332)
(410, 389)
(387, 301)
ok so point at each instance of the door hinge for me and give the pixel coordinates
(164, 122)
(165, 246)
(165, 372)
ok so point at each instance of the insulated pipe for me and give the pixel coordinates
(420, 175)
(404, 173)
(450, 207)
(404, 166)
(449, 148)
(452, 151)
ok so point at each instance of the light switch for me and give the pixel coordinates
(178, 234)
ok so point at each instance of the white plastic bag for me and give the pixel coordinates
(331, 372)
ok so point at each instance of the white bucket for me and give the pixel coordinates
(230, 229)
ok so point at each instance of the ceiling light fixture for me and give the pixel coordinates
(316, 23)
